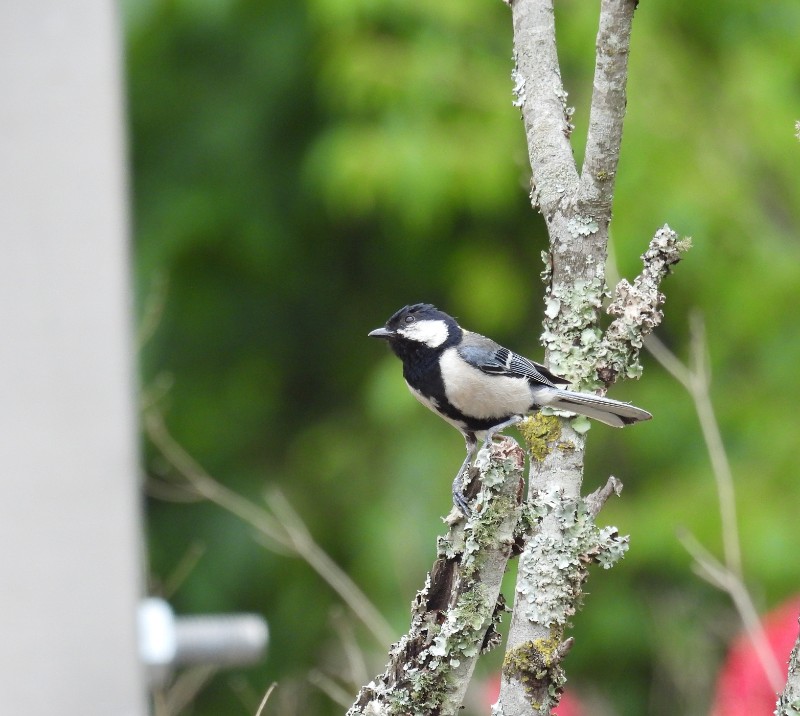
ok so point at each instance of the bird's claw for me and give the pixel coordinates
(460, 499)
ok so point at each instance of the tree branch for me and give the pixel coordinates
(608, 104)
(543, 103)
(637, 308)
(789, 699)
(577, 210)
(453, 617)
(553, 565)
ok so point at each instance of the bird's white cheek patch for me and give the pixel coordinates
(479, 395)
(431, 333)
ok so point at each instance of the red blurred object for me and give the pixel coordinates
(568, 706)
(742, 686)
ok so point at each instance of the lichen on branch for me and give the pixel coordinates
(789, 699)
(536, 664)
(637, 308)
(555, 562)
(454, 617)
(571, 334)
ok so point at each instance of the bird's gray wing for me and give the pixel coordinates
(486, 355)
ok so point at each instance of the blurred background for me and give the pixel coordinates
(300, 170)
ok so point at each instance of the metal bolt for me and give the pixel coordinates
(167, 641)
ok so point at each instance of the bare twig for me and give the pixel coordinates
(596, 500)
(284, 530)
(721, 467)
(153, 311)
(266, 698)
(356, 666)
(330, 687)
(207, 486)
(668, 361)
(696, 380)
(319, 560)
(724, 579)
(183, 690)
(183, 569)
(726, 575)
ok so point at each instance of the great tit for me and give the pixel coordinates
(480, 387)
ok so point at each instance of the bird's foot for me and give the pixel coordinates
(460, 498)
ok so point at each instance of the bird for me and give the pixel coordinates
(478, 386)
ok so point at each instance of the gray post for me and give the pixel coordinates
(69, 519)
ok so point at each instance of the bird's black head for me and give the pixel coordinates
(421, 326)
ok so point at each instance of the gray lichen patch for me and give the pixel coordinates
(571, 334)
(554, 564)
(579, 226)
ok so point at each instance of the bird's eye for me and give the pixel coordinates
(410, 319)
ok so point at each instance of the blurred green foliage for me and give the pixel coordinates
(301, 170)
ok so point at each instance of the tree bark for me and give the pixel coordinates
(453, 618)
(789, 700)
(577, 211)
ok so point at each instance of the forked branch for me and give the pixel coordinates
(577, 212)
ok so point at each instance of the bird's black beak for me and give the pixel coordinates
(381, 333)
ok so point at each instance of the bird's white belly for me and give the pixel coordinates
(431, 405)
(480, 395)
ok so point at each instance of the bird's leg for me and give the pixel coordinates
(459, 498)
(491, 432)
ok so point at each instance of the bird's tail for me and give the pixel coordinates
(611, 412)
